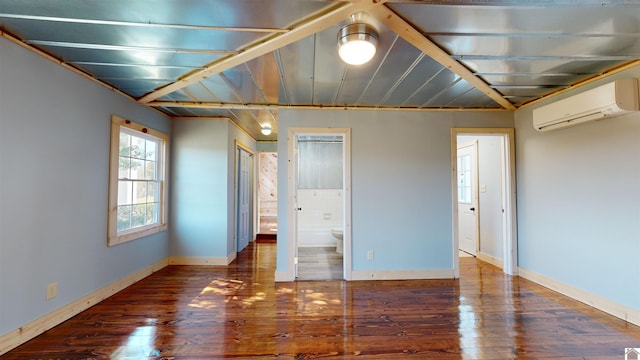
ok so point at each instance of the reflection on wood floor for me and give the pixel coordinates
(319, 263)
(268, 225)
(209, 312)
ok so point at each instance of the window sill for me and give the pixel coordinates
(135, 234)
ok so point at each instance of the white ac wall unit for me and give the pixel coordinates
(613, 99)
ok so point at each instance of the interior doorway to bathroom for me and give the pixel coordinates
(319, 233)
(484, 197)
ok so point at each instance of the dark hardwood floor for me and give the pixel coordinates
(196, 312)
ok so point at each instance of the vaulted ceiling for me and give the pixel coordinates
(246, 59)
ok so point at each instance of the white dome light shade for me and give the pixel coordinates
(265, 130)
(357, 43)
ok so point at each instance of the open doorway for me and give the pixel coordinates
(267, 196)
(484, 197)
(319, 225)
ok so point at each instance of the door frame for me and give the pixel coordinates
(509, 216)
(292, 185)
(237, 148)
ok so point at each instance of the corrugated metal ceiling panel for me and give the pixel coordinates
(524, 50)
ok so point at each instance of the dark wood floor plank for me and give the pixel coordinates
(199, 312)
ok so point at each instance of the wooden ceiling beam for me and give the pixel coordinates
(409, 33)
(307, 27)
(139, 24)
(598, 77)
(271, 107)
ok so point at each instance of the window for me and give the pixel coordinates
(320, 162)
(464, 179)
(137, 181)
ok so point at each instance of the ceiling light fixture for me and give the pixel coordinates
(357, 41)
(265, 129)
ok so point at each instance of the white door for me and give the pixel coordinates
(244, 198)
(468, 198)
(293, 181)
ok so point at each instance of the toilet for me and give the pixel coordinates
(338, 234)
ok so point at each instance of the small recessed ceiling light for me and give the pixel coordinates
(265, 129)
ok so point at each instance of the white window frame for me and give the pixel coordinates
(115, 237)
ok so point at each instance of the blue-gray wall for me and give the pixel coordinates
(199, 201)
(401, 183)
(578, 196)
(203, 188)
(54, 181)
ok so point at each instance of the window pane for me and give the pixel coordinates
(150, 170)
(153, 192)
(125, 193)
(139, 192)
(151, 150)
(125, 146)
(465, 195)
(152, 213)
(137, 147)
(466, 162)
(320, 164)
(138, 215)
(123, 168)
(137, 169)
(464, 180)
(124, 218)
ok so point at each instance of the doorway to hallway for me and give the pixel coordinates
(484, 197)
(267, 196)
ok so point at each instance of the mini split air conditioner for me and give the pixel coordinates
(613, 99)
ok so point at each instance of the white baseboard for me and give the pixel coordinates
(282, 276)
(620, 311)
(211, 261)
(27, 332)
(402, 274)
(490, 259)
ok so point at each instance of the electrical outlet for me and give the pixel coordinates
(370, 255)
(52, 290)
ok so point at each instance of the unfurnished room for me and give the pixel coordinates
(301, 179)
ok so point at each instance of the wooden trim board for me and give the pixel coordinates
(489, 259)
(620, 311)
(201, 261)
(402, 274)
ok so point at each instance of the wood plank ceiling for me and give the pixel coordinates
(246, 59)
